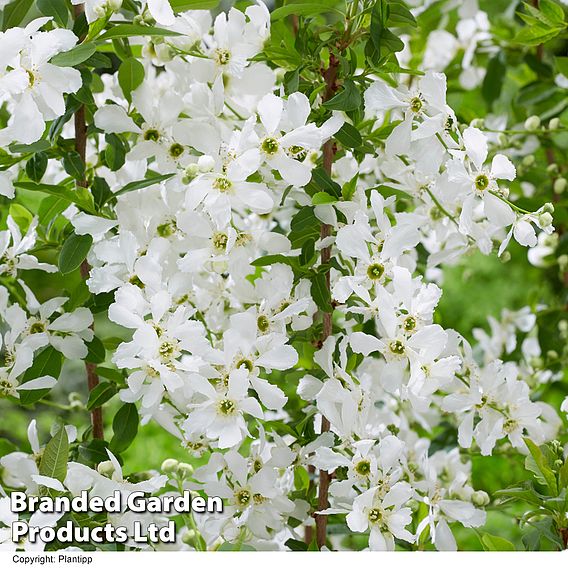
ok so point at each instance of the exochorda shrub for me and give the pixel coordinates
(263, 203)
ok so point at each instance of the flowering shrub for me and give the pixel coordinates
(241, 221)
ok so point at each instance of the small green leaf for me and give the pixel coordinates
(304, 225)
(74, 56)
(36, 166)
(46, 363)
(38, 146)
(94, 452)
(130, 76)
(125, 427)
(496, 543)
(135, 30)
(141, 183)
(96, 351)
(303, 9)
(54, 459)
(270, 259)
(74, 165)
(349, 98)
(57, 9)
(73, 252)
(21, 215)
(322, 198)
(301, 478)
(115, 152)
(320, 292)
(102, 393)
(14, 13)
(348, 136)
(184, 5)
(542, 470)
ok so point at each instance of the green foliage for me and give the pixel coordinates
(73, 252)
(124, 427)
(54, 459)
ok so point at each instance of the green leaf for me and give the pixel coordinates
(57, 9)
(141, 183)
(102, 393)
(74, 56)
(307, 253)
(6, 447)
(542, 470)
(47, 362)
(135, 30)
(494, 78)
(348, 189)
(303, 9)
(320, 292)
(348, 136)
(54, 459)
(74, 165)
(36, 166)
(184, 5)
(130, 76)
(111, 374)
(553, 12)
(322, 181)
(14, 13)
(96, 351)
(304, 225)
(21, 215)
(400, 15)
(296, 545)
(537, 34)
(270, 259)
(301, 478)
(382, 41)
(349, 98)
(115, 152)
(80, 196)
(38, 146)
(101, 191)
(322, 198)
(125, 427)
(73, 252)
(496, 543)
(94, 452)
(561, 64)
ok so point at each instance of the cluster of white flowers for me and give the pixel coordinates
(212, 330)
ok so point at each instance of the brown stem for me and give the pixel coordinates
(329, 151)
(81, 147)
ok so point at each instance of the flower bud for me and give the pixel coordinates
(532, 123)
(552, 168)
(188, 537)
(552, 354)
(185, 469)
(106, 468)
(560, 185)
(563, 326)
(206, 163)
(170, 466)
(563, 262)
(554, 123)
(505, 257)
(480, 498)
(529, 160)
(545, 220)
(548, 208)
